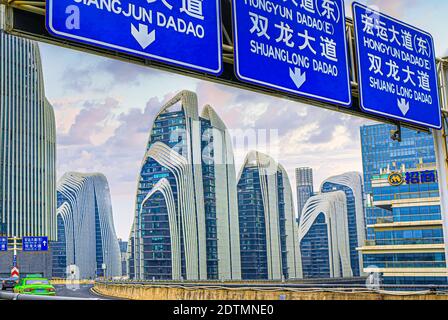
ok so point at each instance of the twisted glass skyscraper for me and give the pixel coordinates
(86, 229)
(186, 205)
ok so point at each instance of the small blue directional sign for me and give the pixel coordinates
(298, 46)
(35, 244)
(3, 244)
(186, 33)
(397, 69)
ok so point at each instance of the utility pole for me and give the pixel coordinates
(14, 270)
(14, 259)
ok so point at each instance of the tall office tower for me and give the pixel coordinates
(379, 151)
(268, 229)
(305, 188)
(27, 143)
(86, 231)
(186, 205)
(324, 237)
(27, 153)
(405, 235)
(351, 184)
(123, 245)
(130, 254)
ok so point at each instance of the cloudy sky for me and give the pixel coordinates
(104, 109)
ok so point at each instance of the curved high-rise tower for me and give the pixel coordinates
(323, 237)
(27, 143)
(186, 198)
(351, 184)
(86, 229)
(268, 229)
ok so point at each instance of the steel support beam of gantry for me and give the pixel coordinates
(27, 19)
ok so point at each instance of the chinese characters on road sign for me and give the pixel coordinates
(3, 244)
(182, 32)
(35, 244)
(297, 46)
(397, 69)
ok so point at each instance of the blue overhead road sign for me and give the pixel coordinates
(397, 69)
(186, 33)
(35, 244)
(298, 46)
(3, 244)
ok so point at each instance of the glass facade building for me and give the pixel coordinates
(268, 229)
(186, 198)
(304, 186)
(27, 143)
(27, 152)
(324, 237)
(123, 245)
(351, 184)
(405, 241)
(379, 151)
(86, 232)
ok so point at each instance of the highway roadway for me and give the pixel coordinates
(81, 292)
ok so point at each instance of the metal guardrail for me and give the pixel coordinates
(295, 287)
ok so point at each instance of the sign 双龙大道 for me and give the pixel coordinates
(296, 46)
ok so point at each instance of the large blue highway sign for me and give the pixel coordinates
(186, 33)
(3, 244)
(397, 69)
(298, 46)
(35, 244)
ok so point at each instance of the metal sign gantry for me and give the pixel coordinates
(27, 19)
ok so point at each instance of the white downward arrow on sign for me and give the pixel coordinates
(297, 76)
(143, 37)
(403, 105)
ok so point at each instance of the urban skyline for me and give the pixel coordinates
(223, 150)
(201, 148)
(115, 95)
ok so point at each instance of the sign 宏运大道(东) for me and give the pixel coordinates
(298, 46)
(397, 69)
(186, 33)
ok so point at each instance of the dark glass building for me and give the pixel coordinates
(268, 230)
(304, 186)
(186, 198)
